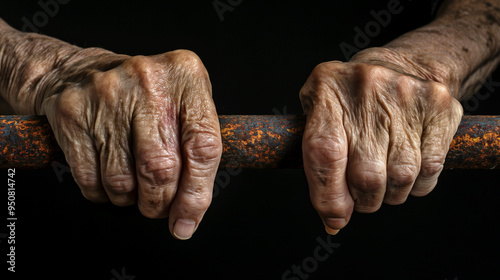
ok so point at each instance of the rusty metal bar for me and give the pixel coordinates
(248, 141)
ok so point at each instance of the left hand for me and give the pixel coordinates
(374, 134)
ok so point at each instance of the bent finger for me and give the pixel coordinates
(62, 112)
(325, 160)
(201, 148)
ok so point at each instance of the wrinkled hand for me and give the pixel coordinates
(374, 134)
(140, 130)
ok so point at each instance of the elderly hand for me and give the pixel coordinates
(374, 134)
(142, 130)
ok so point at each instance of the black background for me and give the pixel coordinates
(262, 223)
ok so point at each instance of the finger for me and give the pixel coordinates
(433, 155)
(112, 141)
(201, 148)
(158, 162)
(367, 168)
(403, 159)
(325, 159)
(403, 165)
(63, 113)
(436, 138)
(117, 164)
(153, 135)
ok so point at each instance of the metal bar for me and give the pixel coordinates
(248, 142)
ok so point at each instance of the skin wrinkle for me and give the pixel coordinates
(358, 91)
(415, 107)
(392, 115)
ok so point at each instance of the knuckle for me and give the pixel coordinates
(106, 85)
(440, 97)
(405, 88)
(367, 189)
(322, 70)
(160, 170)
(140, 64)
(89, 185)
(432, 166)
(440, 89)
(119, 184)
(401, 176)
(69, 105)
(332, 205)
(370, 70)
(367, 182)
(316, 93)
(325, 151)
(188, 62)
(203, 150)
(145, 71)
(87, 180)
(200, 201)
(370, 74)
(319, 83)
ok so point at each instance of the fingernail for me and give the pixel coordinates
(184, 229)
(331, 231)
(331, 223)
(334, 222)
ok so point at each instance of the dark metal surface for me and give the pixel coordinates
(476, 144)
(248, 141)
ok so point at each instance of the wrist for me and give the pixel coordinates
(73, 70)
(30, 64)
(404, 61)
(25, 61)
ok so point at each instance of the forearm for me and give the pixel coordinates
(28, 61)
(459, 48)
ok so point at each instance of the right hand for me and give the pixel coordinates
(142, 130)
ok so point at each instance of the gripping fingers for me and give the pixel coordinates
(325, 162)
(201, 156)
(79, 149)
(366, 170)
(201, 149)
(118, 172)
(403, 165)
(436, 139)
(158, 163)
